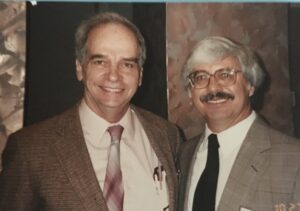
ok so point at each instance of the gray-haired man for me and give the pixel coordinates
(239, 162)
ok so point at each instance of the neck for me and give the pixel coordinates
(110, 114)
(218, 126)
(112, 117)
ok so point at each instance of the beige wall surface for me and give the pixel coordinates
(12, 67)
(262, 26)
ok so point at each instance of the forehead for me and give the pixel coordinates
(215, 64)
(112, 35)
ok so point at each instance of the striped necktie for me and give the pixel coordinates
(113, 187)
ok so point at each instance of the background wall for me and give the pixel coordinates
(12, 68)
(262, 26)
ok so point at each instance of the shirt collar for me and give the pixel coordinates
(96, 126)
(232, 137)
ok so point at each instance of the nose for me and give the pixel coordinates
(213, 85)
(113, 73)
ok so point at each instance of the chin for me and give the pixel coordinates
(217, 114)
(115, 104)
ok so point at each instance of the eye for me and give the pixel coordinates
(200, 76)
(128, 65)
(224, 74)
(98, 62)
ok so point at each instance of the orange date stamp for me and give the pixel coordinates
(287, 207)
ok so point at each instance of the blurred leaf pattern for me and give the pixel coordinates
(12, 67)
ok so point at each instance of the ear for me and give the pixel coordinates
(79, 71)
(251, 90)
(189, 91)
(141, 77)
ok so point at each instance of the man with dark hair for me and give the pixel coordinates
(104, 153)
(239, 162)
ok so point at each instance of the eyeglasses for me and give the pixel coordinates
(224, 77)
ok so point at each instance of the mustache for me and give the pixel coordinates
(216, 95)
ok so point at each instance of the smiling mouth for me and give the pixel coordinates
(111, 90)
(216, 101)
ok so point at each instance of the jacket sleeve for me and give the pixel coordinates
(16, 188)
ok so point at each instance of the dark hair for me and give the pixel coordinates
(86, 26)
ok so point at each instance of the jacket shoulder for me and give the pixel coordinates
(174, 135)
(283, 141)
(153, 118)
(47, 127)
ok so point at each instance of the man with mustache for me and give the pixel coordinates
(239, 162)
(104, 153)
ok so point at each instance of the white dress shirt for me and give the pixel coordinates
(230, 142)
(138, 159)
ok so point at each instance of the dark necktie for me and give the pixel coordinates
(205, 194)
(113, 187)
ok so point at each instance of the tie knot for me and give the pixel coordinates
(115, 132)
(213, 142)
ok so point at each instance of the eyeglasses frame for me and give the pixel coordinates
(232, 71)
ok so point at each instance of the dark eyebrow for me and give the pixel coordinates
(131, 59)
(198, 70)
(96, 56)
(101, 56)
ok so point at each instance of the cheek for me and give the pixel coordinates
(242, 95)
(192, 95)
(195, 97)
(95, 76)
(88, 78)
(131, 80)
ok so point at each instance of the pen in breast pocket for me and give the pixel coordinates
(159, 176)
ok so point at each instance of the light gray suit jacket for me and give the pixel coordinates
(265, 175)
(47, 166)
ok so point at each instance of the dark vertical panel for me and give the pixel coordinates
(51, 84)
(294, 61)
(150, 18)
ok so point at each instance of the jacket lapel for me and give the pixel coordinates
(247, 169)
(188, 155)
(162, 150)
(74, 158)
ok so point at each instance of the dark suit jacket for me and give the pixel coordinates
(47, 166)
(265, 175)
